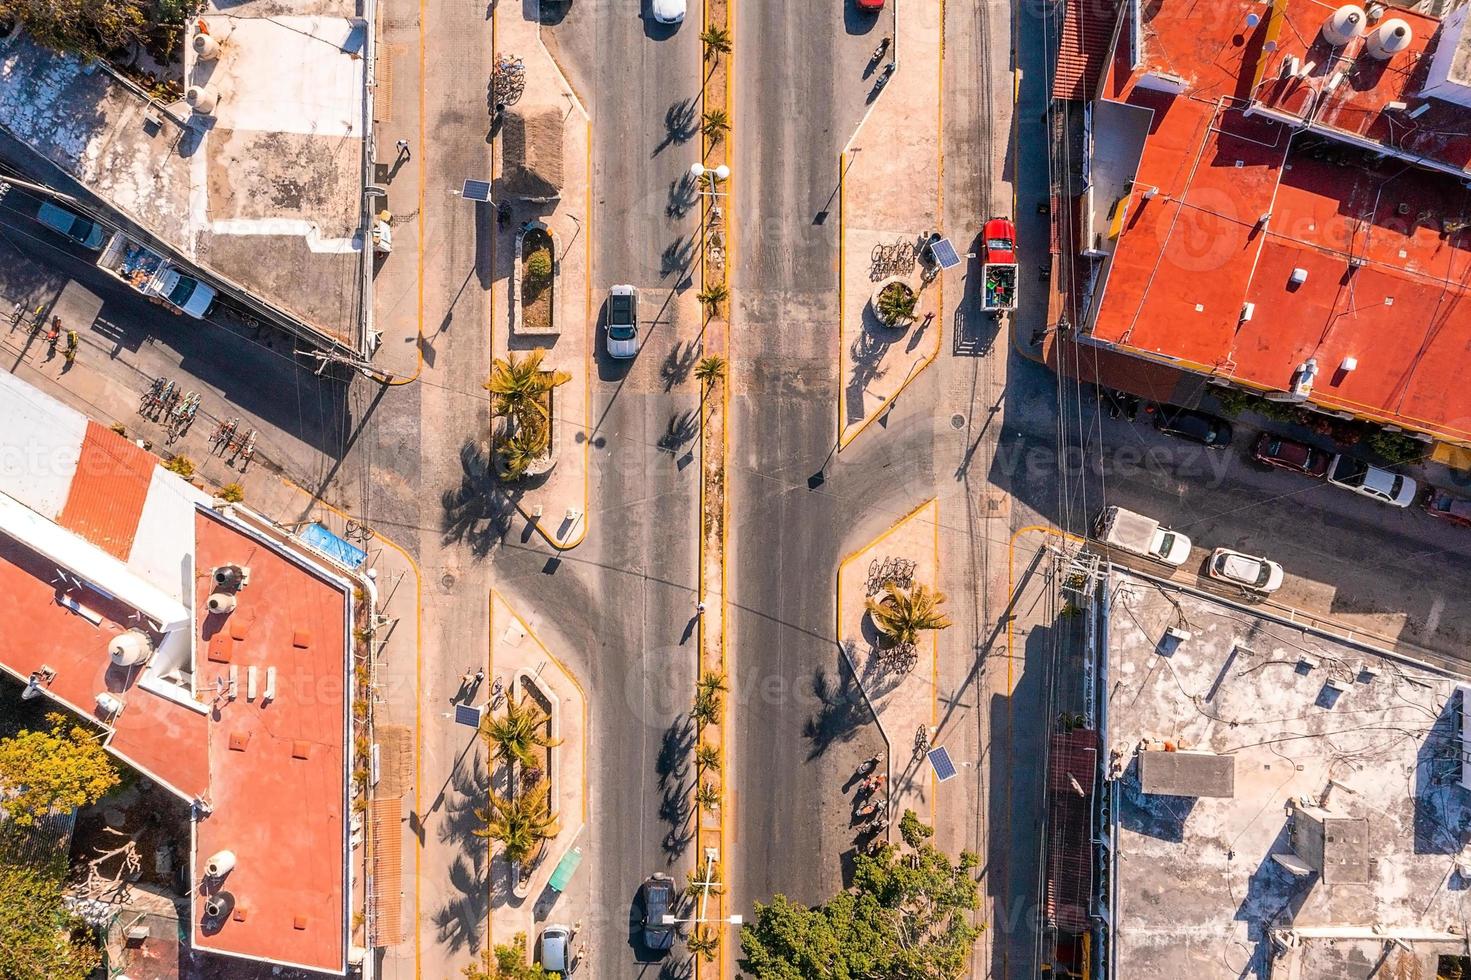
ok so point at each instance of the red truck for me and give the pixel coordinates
(999, 271)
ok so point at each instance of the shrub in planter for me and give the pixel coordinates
(896, 304)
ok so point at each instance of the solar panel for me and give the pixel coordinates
(940, 760)
(944, 253)
(476, 190)
(468, 714)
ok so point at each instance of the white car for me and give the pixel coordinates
(556, 950)
(1257, 574)
(622, 322)
(1371, 481)
(667, 11)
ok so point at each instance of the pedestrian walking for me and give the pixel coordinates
(403, 149)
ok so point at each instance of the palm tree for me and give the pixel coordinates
(706, 709)
(710, 369)
(713, 295)
(716, 41)
(521, 450)
(519, 824)
(518, 732)
(707, 757)
(518, 385)
(704, 942)
(695, 881)
(716, 122)
(707, 796)
(712, 682)
(901, 614)
(896, 303)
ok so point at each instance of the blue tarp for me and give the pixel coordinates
(325, 541)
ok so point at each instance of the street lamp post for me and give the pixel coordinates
(706, 884)
(716, 175)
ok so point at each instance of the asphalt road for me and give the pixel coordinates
(636, 574)
(798, 721)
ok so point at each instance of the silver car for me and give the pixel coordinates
(1372, 481)
(622, 322)
(556, 950)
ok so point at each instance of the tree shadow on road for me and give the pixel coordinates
(683, 196)
(458, 921)
(478, 511)
(678, 363)
(681, 123)
(842, 711)
(675, 785)
(681, 431)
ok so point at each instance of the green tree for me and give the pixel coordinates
(89, 27)
(715, 124)
(707, 795)
(505, 962)
(710, 369)
(704, 942)
(60, 768)
(713, 682)
(518, 732)
(716, 41)
(527, 446)
(180, 465)
(905, 918)
(706, 709)
(902, 614)
(518, 385)
(520, 823)
(707, 757)
(232, 493)
(39, 937)
(713, 295)
(896, 304)
(538, 271)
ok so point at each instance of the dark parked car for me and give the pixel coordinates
(1190, 424)
(656, 896)
(1291, 455)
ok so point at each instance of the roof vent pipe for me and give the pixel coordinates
(1344, 24)
(1389, 39)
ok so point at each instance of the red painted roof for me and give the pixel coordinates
(1087, 29)
(1386, 259)
(1359, 104)
(282, 816)
(107, 491)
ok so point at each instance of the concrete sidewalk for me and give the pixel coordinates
(902, 695)
(557, 502)
(521, 662)
(890, 196)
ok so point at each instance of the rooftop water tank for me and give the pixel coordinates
(1389, 39)
(221, 604)
(1344, 24)
(129, 649)
(219, 864)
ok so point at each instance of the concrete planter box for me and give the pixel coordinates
(518, 315)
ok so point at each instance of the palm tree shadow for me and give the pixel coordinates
(680, 124)
(678, 364)
(842, 711)
(478, 511)
(458, 921)
(673, 769)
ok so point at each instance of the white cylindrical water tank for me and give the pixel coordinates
(130, 648)
(219, 864)
(221, 603)
(1344, 24)
(108, 705)
(1389, 39)
(202, 99)
(206, 47)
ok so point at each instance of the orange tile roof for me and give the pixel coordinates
(108, 490)
(1087, 29)
(1387, 260)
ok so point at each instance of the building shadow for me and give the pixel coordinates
(1441, 808)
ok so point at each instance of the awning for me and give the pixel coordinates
(332, 546)
(565, 869)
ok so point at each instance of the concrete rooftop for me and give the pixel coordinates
(266, 192)
(1198, 889)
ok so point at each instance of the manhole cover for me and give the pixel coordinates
(447, 581)
(957, 421)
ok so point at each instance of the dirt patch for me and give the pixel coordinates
(141, 814)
